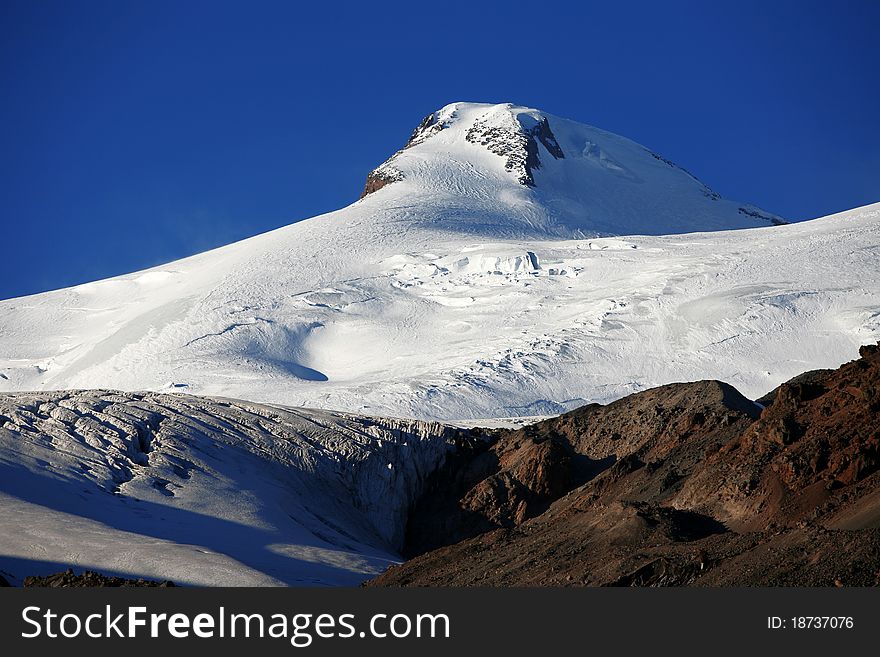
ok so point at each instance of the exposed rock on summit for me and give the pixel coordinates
(516, 142)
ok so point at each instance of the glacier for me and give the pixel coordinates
(206, 492)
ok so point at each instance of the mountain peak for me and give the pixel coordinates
(507, 130)
(568, 177)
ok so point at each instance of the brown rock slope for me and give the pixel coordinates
(679, 485)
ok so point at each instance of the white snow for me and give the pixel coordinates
(457, 292)
(204, 491)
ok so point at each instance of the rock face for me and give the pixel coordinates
(679, 485)
(516, 139)
(814, 449)
(377, 179)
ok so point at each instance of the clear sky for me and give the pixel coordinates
(133, 133)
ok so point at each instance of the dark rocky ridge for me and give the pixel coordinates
(89, 579)
(678, 485)
(751, 212)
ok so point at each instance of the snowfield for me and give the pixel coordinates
(459, 292)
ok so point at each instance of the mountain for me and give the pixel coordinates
(686, 484)
(504, 263)
(467, 283)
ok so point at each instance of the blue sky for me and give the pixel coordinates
(133, 133)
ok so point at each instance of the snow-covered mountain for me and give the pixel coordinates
(467, 283)
(504, 263)
(503, 170)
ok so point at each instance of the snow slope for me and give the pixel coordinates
(205, 491)
(467, 285)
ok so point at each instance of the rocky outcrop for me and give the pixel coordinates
(522, 472)
(386, 174)
(379, 178)
(430, 126)
(813, 448)
(90, 579)
(516, 142)
(687, 484)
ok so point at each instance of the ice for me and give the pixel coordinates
(205, 491)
